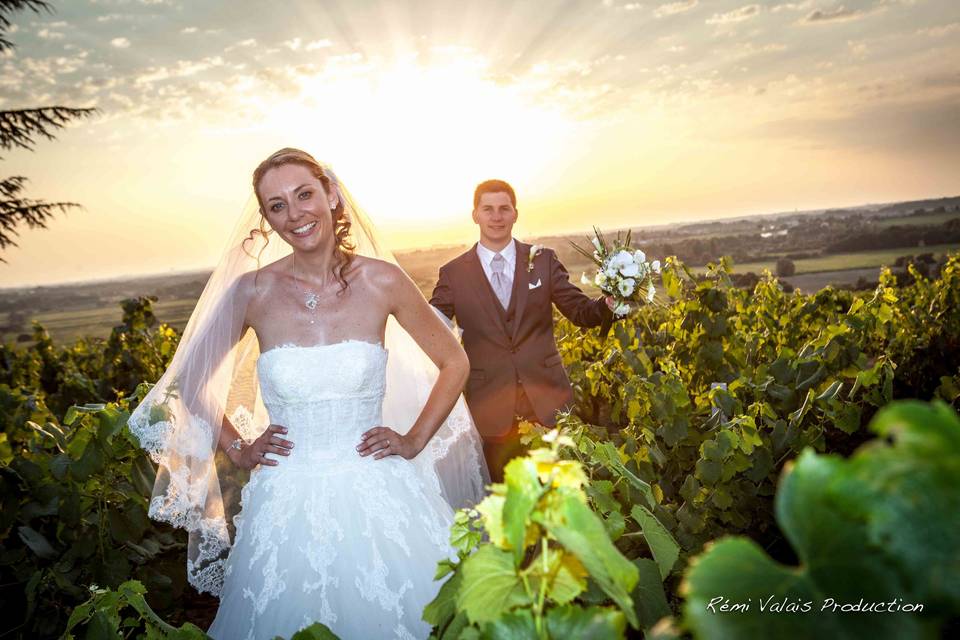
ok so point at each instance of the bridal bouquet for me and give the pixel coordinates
(624, 272)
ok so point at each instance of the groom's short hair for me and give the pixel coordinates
(493, 186)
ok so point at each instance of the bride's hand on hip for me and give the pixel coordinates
(268, 442)
(384, 441)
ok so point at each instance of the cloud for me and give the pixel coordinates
(924, 128)
(249, 42)
(857, 49)
(182, 69)
(673, 8)
(47, 34)
(947, 80)
(940, 30)
(318, 44)
(840, 14)
(189, 30)
(120, 43)
(749, 49)
(293, 45)
(793, 6)
(737, 15)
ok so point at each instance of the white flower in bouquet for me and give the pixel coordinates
(655, 265)
(639, 256)
(621, 309)
(651, 291)
(631, 270)
(600, 279)
(622, 258)
(626, 287)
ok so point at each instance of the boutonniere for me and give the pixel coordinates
(534, 252)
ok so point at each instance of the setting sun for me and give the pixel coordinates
(412, 140)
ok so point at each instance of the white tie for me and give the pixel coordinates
(502, 283)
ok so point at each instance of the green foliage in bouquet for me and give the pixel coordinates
(880, 527)
(536, 562)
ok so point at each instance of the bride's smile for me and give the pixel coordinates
(305, 230)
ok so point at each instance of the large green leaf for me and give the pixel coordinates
(879, 528)
(735, 572)
(649, 598)
(523, 492)
(443, 608)
(907, 494)
(664, 548)
(565, 575)
(37, 542)
(514, 625)
(594, 623)
(316, 631)
(582, 533)
(490, 585)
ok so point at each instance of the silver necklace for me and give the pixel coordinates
(311, 299)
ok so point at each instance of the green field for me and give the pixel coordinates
(929, 219)
(843, 261)
(68, 326)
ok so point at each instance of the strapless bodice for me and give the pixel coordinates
(325, 395)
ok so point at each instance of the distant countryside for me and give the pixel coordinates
(805, 250)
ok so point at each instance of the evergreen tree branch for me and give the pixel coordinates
(10, 6)
(17, 210)
(20, 128)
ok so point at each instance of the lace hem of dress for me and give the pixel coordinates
(186, 455)
(161, 437)
(206, 571)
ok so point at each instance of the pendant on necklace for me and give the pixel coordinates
(311, 301)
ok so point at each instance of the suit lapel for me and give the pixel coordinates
(482, 284)
(521, 288)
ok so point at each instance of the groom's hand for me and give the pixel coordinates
(384, 441)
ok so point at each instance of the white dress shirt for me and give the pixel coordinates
(509, 254)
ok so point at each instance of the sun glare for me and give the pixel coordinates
(412, 140)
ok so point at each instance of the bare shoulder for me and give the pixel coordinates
(256, 284)
(379, 274)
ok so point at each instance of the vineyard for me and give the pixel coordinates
(741, 463)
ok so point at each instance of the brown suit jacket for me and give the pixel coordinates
(527, 354)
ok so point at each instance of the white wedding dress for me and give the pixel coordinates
(328, 535)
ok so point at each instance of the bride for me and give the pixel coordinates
(309, 326)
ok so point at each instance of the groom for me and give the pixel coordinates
(502, 299)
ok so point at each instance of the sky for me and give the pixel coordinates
(599, 112)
